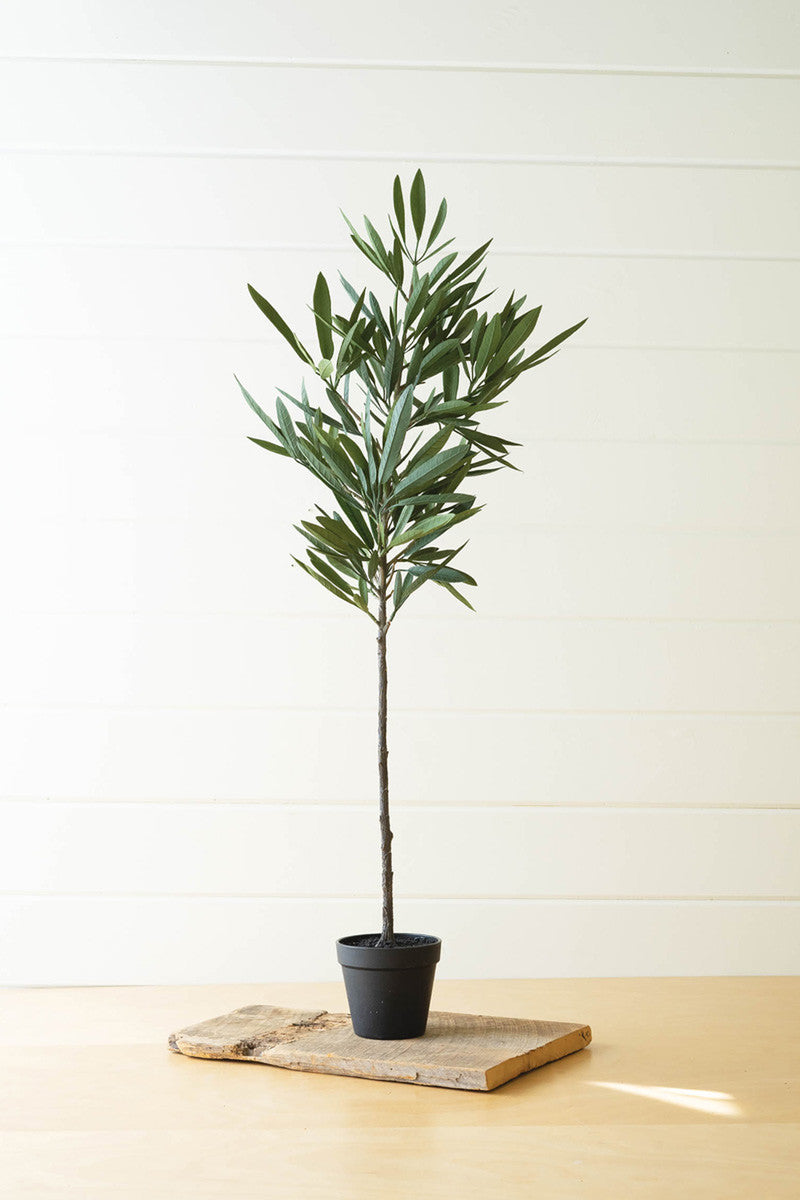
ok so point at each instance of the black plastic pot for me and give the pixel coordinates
(389, 987)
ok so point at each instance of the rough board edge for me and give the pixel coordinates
(561, 1047)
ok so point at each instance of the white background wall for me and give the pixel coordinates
(595, 775)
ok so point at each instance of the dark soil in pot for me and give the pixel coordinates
(400, 939)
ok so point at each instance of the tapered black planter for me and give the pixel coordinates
(389, 987)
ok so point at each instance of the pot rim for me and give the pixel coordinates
(388, 958)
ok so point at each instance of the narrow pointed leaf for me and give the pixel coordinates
(455, 592)
(322, 316)
(396, 429)
(325, 582)
(274, 317)
(488, 343)
(287, 428)
(447, 575)
(435, 524)
(399, 206)
(556, 341)
(329, 573)
(417, 200)
(442, 266)
(434, 468)
(270, 446)
(258, 410)
(437, 223)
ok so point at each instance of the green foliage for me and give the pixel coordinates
(394, 455)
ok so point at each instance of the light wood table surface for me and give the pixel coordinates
(689, 1089)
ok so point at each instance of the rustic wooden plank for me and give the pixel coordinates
(459, 1050)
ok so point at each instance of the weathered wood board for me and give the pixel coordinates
(458, 1050)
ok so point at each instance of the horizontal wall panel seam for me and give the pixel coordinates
(416, 618)
(311, 615)
(698, 531)
(406, 806)
(170, 339)
(410, 896)
(401, 156)
(235, 436)
(246, 898)
(466, 66)
(334, 247)
(667, 713)
(310, 807)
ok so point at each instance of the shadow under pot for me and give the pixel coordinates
(389, 987)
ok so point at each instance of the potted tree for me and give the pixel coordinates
(395, 436)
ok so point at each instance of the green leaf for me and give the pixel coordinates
(392, 366)
(369, 441)
(450, 384)
(409, 585)
(437, 224)
(403, 517)
(395, 431)
(329, 573)
(348, 287)
(417, 200)
(337, 528)
(432, 307)
(418, 297)
(340, 405)
(442, 266)
(270, 446)
(325, 583)
(345, 561)
(398, 590)
(335, 455)
(358, 459)
(437, 498)
(422, 572)
(328, 537)
(278, 322)
(341, 361)
(398, 267)
(454, 592)
(436, 467)
(488, 343)
(258, 410)
(365, 249)
(435, 524)
(522, 330)
(324, 472)
(380, 249)
(322, 316)
(287, 428)
(444, 354)
(446, 575)
(471, 261)
(357, 521)
(431, 447)
(399, 206)
(556, 341)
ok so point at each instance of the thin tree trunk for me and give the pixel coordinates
(387, 933)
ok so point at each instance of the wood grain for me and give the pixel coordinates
(703, 1103)
(459, 1050)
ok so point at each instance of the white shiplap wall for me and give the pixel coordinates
(598, 773)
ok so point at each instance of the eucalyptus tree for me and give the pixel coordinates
(403, 379)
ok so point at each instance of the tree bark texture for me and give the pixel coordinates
(387, 932)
